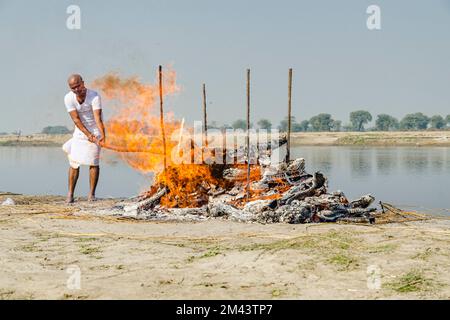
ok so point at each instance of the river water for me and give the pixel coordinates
(410, 177)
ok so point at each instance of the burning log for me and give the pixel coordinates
(146, 204)
(151, 202)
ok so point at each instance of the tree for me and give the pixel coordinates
(321, 122)
(347, 127)
(301, 127)
(447, 119)
(437, 122)
(213, 125)
(265, 124)
(414, 121)
(55, 130)
(240, 124)
(337, 125)
(386, 122)
(359, 119)
(284, 124)
(225, 127)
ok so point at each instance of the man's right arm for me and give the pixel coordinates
(76, 119)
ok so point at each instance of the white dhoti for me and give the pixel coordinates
(82, 152)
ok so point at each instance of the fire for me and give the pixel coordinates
(135, 125)
(134, 130)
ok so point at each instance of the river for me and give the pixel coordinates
(410, 177)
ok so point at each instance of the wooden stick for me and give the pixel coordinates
(161, 115)
(205, 116)
(129, 150)
(205, 123)
(224, 143)
(248, 134)
(288, 147)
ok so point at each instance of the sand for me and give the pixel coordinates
(45, 242)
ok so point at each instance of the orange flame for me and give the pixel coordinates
(135, 124)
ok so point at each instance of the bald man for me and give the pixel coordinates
(85, 109)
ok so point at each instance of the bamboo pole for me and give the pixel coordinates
(288, 146)
(224, 143)
(205, 116)
(248, 134)
(161, 116)
(205, 123)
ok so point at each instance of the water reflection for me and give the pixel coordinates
(386, 161)
(43, 170)
(415, 162)
(323, 159)
(361, 162)
(438, 160)
(403, 175)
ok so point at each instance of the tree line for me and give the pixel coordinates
(46, 130)
(324, 122)
(358, 121)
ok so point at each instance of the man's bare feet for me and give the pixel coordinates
(69, 199)
(92, 198)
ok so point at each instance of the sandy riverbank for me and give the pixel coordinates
(125, 259)
(34, 140)
(375, 138)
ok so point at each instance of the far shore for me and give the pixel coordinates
(369, 138)
(372, 138)
(34, 140)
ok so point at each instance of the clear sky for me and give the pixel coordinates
(339, 65)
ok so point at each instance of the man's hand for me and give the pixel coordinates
(101, 141)
(92, 138)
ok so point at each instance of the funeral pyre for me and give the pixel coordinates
(200, 186)
(278, 193)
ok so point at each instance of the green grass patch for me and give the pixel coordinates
(30, 248)
(413, 281)
(342, 260)
(212, 252)
(276, 293)
(385, 248)
(424, 255)
(332, 247)
(86, 239)
(89, 250)
(331, 240)
(352, 140)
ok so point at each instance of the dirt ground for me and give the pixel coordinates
(43, 241)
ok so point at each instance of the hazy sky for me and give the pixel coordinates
(339, 65)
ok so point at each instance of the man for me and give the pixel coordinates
(85, 109)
